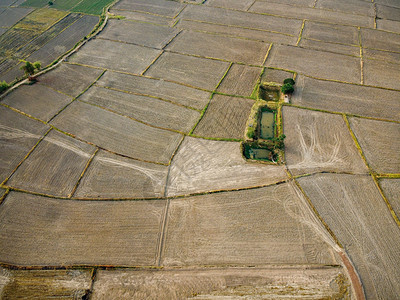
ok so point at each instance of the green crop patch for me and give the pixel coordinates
(84, 6)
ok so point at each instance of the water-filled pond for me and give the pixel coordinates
(267, 122)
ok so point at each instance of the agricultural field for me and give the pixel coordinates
(125, 168)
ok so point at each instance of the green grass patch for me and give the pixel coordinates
(91, 7)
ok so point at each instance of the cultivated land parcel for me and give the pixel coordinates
(122, 171)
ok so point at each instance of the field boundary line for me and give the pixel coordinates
(211, 96)
(388, 205)
(301, 32)
(152, 62)
(361, 56)
(83, 173)
(3, 198)
(23, 113)
(333, 43)
(25, 158)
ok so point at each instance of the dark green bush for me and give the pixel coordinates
(251, 133)
(3, 86)
(287, 88)
(289, 80)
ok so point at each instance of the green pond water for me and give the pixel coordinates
(267, 125)
(255, 153)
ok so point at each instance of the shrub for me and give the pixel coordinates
(287, 88)
(3, 86)
(289, 80)
(251, 133)
(50, 3)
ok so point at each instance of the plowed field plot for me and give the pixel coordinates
(11, 15)
(65, 41)
(356, 213)
(267, 283)
(112, 176)
(240, 80)
(387, 12)
(241, 19)
(346, 98)
(117, 133)
(331, 33)
(150, 110)
(85, 6)
(54, 167)
(317, 142)
(2, 192)
(379, 142)
(235, 4)
(382, 55)
(382, 74)
(142, 34)
(198, 72)
(222, 47)
(315, 63)
(276, 76)
(214, 229)
(388, 25)
(116, 56)
(70, 79)
(312, 14)
(164, 8)
(43, 231)
(144, 17)
(359, 7)
(204, 165)
(45, 283)
(225, 118)
(254, 34)
(391, 189)
(37, 100)
(329, 47)
(377, 39)
(169, 91)
(48, 35)
(18, 134)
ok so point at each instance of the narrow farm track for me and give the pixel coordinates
(122, 172)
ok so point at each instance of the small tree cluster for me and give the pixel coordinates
(3, 86)
(287, 87)
(30, 68)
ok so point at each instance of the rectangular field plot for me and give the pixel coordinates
(329, 47)
(54, 167)
(380, 143)
(43, 231)
(146, 109)
(317, 142)
(157, 7)
(345, 6)
(70, 79)
(261, 226)
(170, 91)
(138, 33)
(143, 17)
(218, 283)
(241, 19)
(388, 12)
(37, 100)
(315, 63)
(222, 47)
(377, 39)
(346, 98)
(116, 56)
(202, 165)
(356, 213)
(11, 15)
(312, 14)
(235, 4)
(65, 41)
(391, 189)
(276, 76)
(18, 134)
(240, 80)
(382, 55)
(225, 117)
(112, 176)
(331, 33)
(254, 34)
(388, 25)
(117, 133)
(194, 71)
(45, 284)
(382, 74)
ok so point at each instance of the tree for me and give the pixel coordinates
(29, 69)
(287, 88)
(3, 86)
(289, 80)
